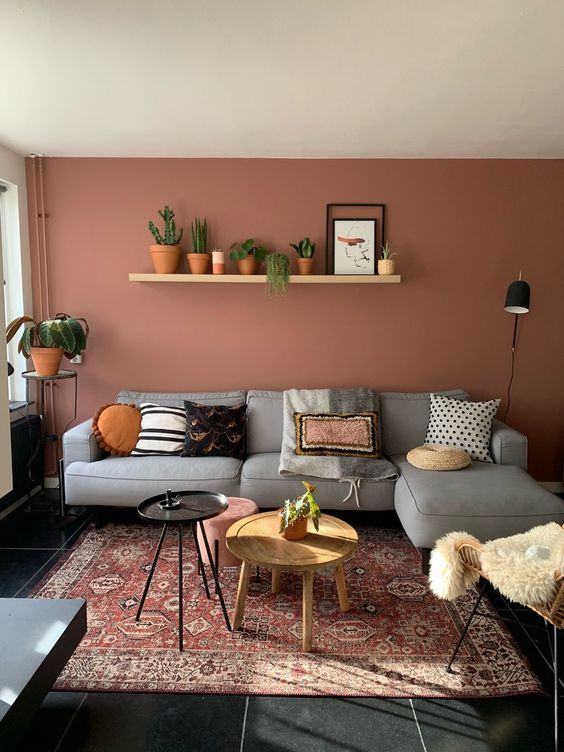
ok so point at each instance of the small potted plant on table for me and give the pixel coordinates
(46, 341)
(199, 259)
(305, 250)
(296, 512)
(248, 256)
(386, 261)
(165, 252)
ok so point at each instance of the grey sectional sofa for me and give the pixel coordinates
(486, 500)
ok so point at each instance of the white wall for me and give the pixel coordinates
(12, 172)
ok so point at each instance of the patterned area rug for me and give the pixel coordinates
(393, 642)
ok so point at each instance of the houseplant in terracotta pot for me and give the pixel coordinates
(386, 260)
(199, 259)
(296, 512)
(305, 250)
(277, 273)
(165, 252)
(46, 341)
(248, 255)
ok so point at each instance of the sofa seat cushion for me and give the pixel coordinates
(261, 482)
(126, 481)
(485, 500)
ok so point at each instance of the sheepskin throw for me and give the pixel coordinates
(525, 568)
(362, 435)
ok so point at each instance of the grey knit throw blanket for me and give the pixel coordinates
(331, 402)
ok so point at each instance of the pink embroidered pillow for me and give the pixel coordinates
(339, 434)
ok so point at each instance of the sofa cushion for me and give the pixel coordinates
(261, 482)
(163, 430)
(405, 416)
(265, 420)
(485, 500)
(176, 399)
(126, 481)
(215, 430)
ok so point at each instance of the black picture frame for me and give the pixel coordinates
(359, 256)
(376, 211)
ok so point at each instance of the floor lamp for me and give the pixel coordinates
(517, 301)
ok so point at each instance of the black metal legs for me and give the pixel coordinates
(151, 572)
(201, 570)
(467, 625)
(214, 573)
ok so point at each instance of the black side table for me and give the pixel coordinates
(179, 508)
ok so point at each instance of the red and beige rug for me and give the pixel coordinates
(393, 642)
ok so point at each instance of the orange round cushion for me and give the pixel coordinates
(116, 428)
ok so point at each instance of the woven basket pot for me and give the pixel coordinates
(385, 267)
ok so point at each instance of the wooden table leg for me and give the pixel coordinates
(307, 606)
(241, 594)
(341, 587)
(275, 580)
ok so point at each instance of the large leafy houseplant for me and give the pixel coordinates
(296, 512)
(49, 339)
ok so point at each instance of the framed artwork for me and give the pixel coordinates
(354, 246)
(354, 235)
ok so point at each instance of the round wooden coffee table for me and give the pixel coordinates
(256, 541)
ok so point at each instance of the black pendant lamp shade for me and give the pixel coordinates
(518, 297)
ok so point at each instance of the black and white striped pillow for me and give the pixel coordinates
(163, 430)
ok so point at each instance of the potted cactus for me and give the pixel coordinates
(386, 260)
(46, 341)
(165, 252)
(296, 512)
(248, 256)
(199, 259)
(305, 250)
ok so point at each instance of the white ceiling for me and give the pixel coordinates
(283, 78)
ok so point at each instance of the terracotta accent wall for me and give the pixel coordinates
(463, 229)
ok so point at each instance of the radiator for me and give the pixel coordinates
(24, 436)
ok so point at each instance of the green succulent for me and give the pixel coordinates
(303, 506)
(387, 252)
(305, 248)
(170, 236)
(62, 331)
(277, 273)
(240, 251)
(199, 236)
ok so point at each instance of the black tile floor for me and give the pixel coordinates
(30, 544)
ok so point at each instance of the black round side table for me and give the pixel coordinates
(180, 508)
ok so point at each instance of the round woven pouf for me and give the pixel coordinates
(437, 457)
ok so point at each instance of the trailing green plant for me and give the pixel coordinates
(277, 273)
(170, 237)
(387, 252)
(199, 236)
(240, 251)
(303, 506)
(64, 331)
(305, 248)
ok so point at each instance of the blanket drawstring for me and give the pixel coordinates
(354, 488)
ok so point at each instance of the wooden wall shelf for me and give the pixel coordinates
(257, 279)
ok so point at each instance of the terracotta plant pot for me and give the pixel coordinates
(165, 258)
(198, 262)
(305, 265)
(247, 265)
(46, 360)
(218, 262)
(297, 531)
(385, 267)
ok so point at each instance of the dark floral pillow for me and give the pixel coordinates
(215, 430)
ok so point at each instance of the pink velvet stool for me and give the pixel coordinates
(216, 528)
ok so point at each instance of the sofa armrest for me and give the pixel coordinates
(79, 445)
(508, 446)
